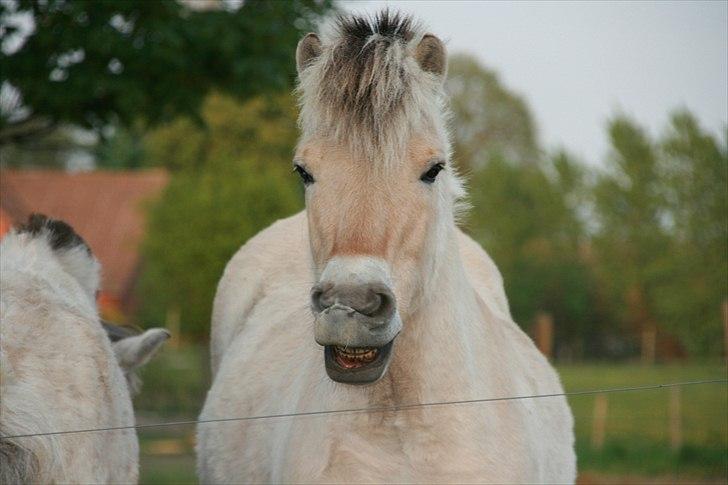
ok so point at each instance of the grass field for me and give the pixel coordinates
(637, 429)
(636, 433)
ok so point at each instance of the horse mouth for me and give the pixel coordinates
(357, 365)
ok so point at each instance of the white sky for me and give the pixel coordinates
(579, 63)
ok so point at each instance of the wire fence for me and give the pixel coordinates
(379, 409)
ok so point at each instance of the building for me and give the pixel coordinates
(105, 207)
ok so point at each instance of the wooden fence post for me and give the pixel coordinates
(599, 424)
(173, 325)
(544, 333)
(649, 345)
(725, 330)
(675, 419)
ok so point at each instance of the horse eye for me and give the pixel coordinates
(305, 176)
(429, 176)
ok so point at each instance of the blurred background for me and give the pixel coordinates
(593, 138)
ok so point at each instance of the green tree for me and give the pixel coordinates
(94, 63)
(631, 239)
(526, 206)
(662, 238)
(488, 119)
(695, 172)
(231, 179)
(526, 217)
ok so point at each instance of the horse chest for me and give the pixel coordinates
(409, 446)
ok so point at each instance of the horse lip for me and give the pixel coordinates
(366, 374)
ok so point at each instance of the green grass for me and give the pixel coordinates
(174, 388)
(167, 455)
(637, 436)
(637, 432)
(175, 383)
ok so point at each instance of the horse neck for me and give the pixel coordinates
(438, 353)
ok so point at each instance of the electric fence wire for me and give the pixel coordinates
(381, 409)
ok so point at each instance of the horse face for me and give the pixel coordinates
(374, 146)
(374, 237)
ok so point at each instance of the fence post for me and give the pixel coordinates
(675, 419)
(649, 344)
(599, 424)
(173, 325)
(544, 333)
(725, 330)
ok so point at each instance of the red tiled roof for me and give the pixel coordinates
(105, 208)
(5, 222)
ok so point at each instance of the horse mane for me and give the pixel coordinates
(60, 235)
(69, 249)
(367, 90)
(31, 459)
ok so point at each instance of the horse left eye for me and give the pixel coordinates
(305, 176)
(429, 176)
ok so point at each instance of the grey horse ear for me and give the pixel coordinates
(135, 351)
(430, 55)
(117, 332)
(309, 48)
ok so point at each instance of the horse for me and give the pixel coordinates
(373, 298)
(59, 370)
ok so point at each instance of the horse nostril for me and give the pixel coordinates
(379, 302)
(371, 303)
(372, 300)
(322, 297)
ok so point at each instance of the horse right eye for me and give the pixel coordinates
(431, 174)
(305, 176)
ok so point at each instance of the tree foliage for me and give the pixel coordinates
(525, 216)
(695, 170)
(93, 63)
(489, 118)
(231, 180)
(640, 245)
(662, 241)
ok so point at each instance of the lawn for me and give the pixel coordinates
(636, 432)
(637, 427)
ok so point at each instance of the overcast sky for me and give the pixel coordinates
(579, 63)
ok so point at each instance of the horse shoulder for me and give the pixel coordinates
(541, 377)
(270, 259)
(483, 273)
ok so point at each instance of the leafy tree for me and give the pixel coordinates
(488, 119)
(527, 208)
(231, 179)
(124, 149)
(662, 238)
(694, 168)
(62, 147)
(94, 63)
(525, 216)
(632, 240)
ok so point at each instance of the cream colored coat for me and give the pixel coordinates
(58, 371)
(462, 344)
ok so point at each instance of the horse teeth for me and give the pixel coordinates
(354, 350)
(359, 354)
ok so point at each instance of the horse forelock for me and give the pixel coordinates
(59, 234)
(366, 89)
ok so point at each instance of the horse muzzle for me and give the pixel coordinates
(356, 321)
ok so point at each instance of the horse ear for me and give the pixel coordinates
(309, 48)
(430, 55)
(134, 352)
